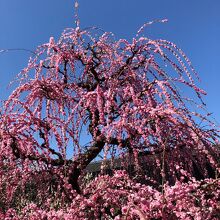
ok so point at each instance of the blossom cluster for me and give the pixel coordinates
(119, 197)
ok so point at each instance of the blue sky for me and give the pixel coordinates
(194, 25)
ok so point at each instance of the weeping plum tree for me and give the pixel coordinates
(124, 98)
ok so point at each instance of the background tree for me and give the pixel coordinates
(123, 96)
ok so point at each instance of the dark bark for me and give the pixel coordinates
(83, 161)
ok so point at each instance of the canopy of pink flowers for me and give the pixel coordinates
(125, 97)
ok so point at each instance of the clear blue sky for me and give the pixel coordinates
(194, 25)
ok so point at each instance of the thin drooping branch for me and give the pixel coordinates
(19, 154)
(44, 145)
